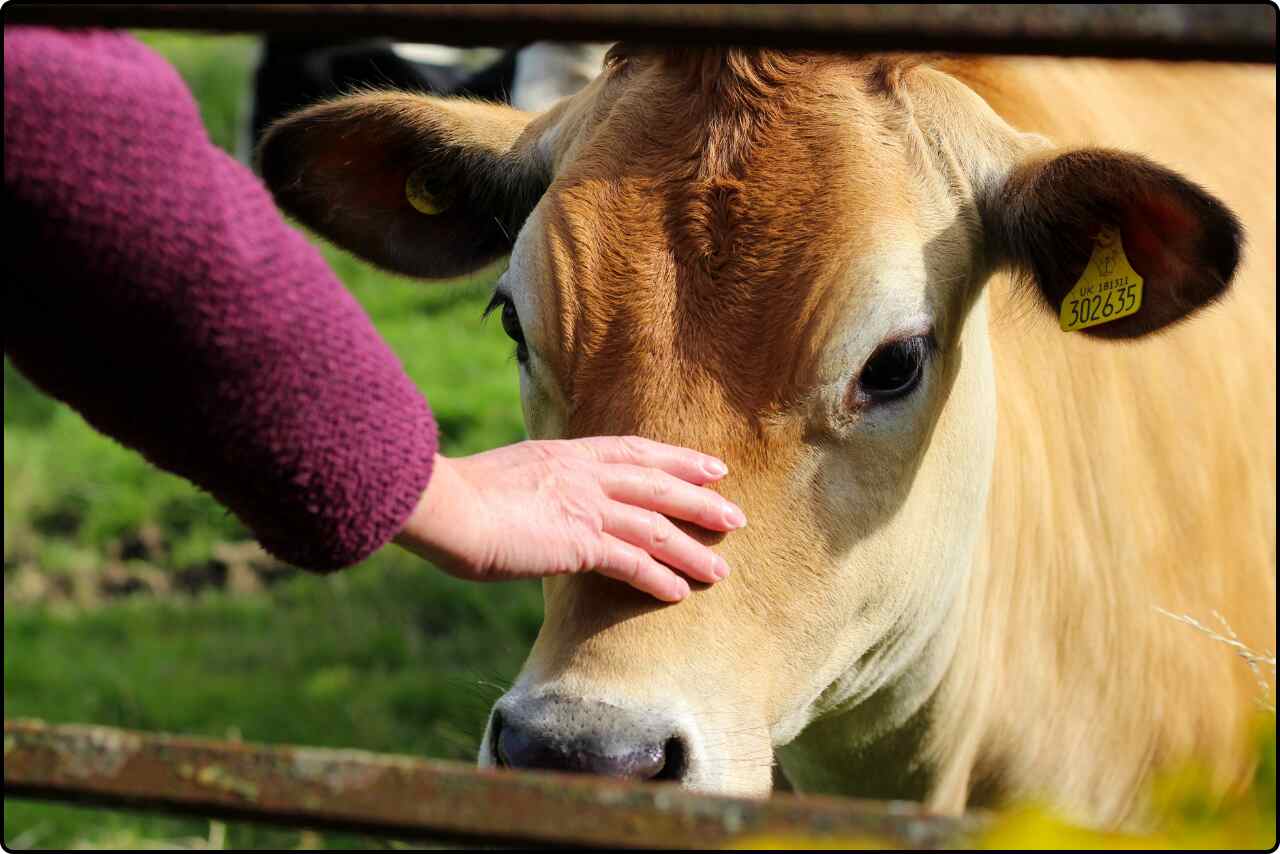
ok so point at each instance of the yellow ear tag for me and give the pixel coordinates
(1109, 288)
(424, 200)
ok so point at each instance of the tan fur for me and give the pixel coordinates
(950, 599)
(1127, 476)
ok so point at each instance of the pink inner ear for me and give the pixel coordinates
(1159, 236)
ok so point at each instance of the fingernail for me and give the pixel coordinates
(734, 518)
(682, 589)
(715, 468)
(721, 569)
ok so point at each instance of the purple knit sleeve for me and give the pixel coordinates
(153, 287)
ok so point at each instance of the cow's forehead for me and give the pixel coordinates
(703, 243)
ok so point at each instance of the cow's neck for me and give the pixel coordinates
(882, 746)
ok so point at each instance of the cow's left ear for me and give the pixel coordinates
(1043, 219)
(419, 185)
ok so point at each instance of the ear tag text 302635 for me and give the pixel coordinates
(1108, 289)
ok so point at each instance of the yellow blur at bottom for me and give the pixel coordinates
(1184, 815)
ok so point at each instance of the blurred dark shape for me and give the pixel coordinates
(295, 71)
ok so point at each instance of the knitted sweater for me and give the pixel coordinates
(152, 285)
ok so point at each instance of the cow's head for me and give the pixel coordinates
(779, 259)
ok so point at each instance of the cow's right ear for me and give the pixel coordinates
(427, 187)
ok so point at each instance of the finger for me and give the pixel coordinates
(654, 533)
(633, 565)
(684, 463)
(669, 495)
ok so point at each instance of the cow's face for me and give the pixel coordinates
(780, 260)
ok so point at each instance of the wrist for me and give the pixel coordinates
(436, 529)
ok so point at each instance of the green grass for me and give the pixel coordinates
(391, 655)
(395, 657)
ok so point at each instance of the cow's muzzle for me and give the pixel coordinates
(556, 733)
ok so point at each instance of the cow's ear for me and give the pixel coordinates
(1045, 217)
(423, 186)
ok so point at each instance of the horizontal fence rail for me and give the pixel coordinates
(406, 797)
(1225, 31)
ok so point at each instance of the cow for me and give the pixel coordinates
(847, 275)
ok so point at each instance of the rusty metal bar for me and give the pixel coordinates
(1223, 31)
(405, 797)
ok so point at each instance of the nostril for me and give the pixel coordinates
(495, 731)
(674, 766)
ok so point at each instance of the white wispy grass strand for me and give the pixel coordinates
(1256, 660)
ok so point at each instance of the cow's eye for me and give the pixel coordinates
(895, 369)
(510, 323)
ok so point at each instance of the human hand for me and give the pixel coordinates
(601, 504)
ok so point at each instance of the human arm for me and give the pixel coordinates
(153, 287)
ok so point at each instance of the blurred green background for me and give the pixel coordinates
(101, 551)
